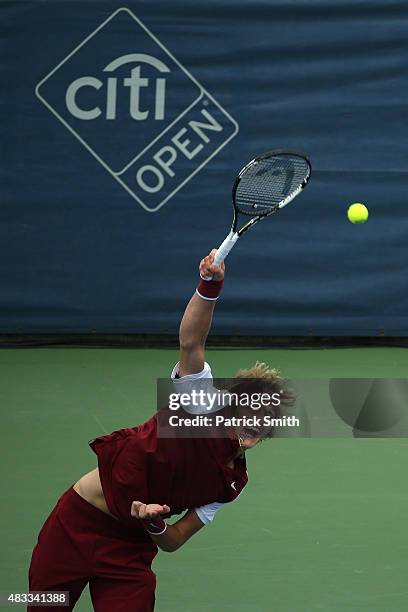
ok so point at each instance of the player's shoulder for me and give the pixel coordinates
(180, 380)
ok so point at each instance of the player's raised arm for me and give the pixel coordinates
(196, 322)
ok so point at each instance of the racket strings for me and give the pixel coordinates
(267, 182)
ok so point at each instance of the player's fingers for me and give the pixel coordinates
(135, 508)
(216, 272)
(142, 511)
(205, 271)
(154, 510)
(204, 263)
(162, 509)
(217, 268)
(154, 507)
(207, 260)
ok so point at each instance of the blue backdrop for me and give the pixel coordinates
(122, 131)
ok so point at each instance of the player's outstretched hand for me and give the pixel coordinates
(140, 510)
(208, 270)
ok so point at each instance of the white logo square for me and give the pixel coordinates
(136, 109)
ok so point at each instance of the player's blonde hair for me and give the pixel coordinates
(260, 371)
(261, 378)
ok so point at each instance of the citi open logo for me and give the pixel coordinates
(136, 109)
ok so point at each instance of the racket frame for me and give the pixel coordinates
(233, 236)
(279, 205)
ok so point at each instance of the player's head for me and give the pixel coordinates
(260, 394)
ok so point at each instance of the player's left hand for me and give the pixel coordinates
(140, 510)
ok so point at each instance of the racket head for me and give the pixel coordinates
(269, 182)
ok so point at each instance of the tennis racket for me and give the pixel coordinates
(264, 186)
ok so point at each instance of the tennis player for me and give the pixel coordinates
(106, 529)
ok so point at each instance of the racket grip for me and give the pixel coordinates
(225, 248)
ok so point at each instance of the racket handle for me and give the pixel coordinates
(225, 248)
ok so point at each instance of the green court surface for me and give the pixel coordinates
(321, 527)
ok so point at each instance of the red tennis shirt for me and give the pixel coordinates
(184, 473)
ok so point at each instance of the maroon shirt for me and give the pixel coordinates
(184, 473)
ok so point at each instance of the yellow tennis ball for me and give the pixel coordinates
(357, 213)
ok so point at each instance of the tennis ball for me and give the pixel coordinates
(357, 213)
